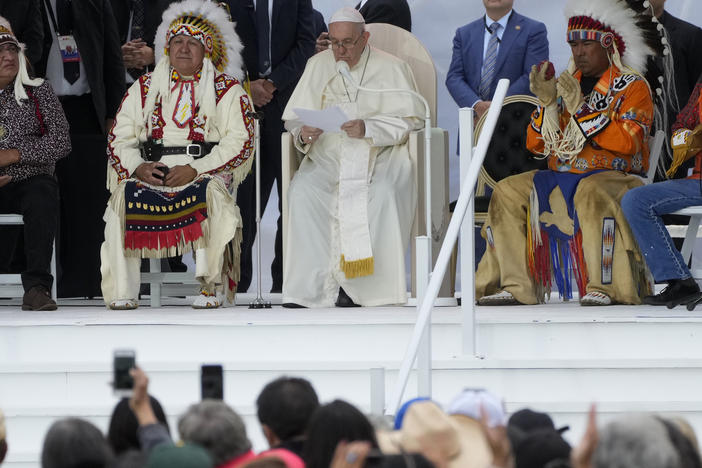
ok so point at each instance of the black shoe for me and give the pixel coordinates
(292, 305)
(344, 300)
(677, 292)
(38, 298)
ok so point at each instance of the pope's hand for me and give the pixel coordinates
(355, 128)
(309, 135)
(569, 89)
(541, 84)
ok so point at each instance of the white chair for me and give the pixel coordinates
(11, 284)
(406, 46)
(164, 284)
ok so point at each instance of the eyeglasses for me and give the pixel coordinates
(8, 48)
(346, 43)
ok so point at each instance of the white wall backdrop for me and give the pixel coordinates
(435, 22)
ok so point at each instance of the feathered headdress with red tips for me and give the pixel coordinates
(626, 25)
(207, 22)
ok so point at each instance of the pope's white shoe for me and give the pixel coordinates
(124, 304)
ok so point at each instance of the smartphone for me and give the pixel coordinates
(163, 169)
(212, 382)
(122, 382)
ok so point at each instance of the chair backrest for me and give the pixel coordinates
(405, 45)
(655, 147)
(507, 154)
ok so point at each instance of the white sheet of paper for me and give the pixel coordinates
(330, 119)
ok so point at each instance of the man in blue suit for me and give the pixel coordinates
(501, 44)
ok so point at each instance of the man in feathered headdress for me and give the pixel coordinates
(181, 142)
(592, 124)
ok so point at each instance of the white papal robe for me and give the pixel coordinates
(312, 273)
(229, 161)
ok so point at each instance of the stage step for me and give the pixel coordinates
(557, 358)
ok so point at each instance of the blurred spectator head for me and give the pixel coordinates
(187, 456)
(689, 457)
(636, 440)
(74, 443)
(276, 458)
(213, 425)
(329, 425)
(528, 420)
(284, 408)
(403, 410)
(3, 437)
(122, 432)
(455, 441)
(541, 447)
(469, 402)
(684, 426)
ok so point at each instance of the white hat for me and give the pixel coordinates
(469, 401)
(348, 15)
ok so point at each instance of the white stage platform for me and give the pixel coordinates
(557, 358)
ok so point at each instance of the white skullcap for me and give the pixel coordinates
(3, 432)
(348, 15)
(469, 401)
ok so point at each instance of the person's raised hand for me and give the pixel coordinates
(498, 441)
(180, 175)
(322, 43)
(582, 454)
(309, 135)
(542, 84)
(149, 172)
(140, 403)
(355, 128)
(260, 93)
(568, 88)
(350, 454)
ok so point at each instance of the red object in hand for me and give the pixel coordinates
(550, 71)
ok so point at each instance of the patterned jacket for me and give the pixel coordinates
(689, 119)
(37, 128)
(615, 123)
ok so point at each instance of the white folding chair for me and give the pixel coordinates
(11, 284)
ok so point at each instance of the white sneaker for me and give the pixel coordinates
(207, 299)
(498, 299)
(595, 298)
(124, 304)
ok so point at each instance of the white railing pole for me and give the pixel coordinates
(467, 237)
(377, 389)
(447, 246)
(423, 248)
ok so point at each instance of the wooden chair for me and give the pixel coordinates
(407, 47)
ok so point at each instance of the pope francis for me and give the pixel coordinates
(352, 202)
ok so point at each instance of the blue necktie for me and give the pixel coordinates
(488, 74)
(263, 27)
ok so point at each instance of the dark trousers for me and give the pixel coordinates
(84, 197)
(271, 130)
(36, 199)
